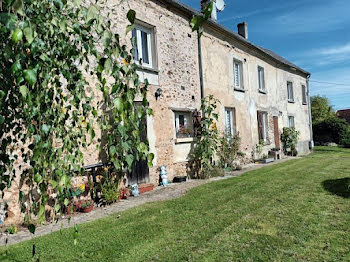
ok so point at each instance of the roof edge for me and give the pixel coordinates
(191, 12)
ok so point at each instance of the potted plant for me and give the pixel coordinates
(87, 206)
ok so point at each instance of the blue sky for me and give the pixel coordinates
(313, 34)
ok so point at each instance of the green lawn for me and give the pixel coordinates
(294, 211)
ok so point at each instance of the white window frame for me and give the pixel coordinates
(238, 82)
(231, 113)
(290, 92)
(150, 45)
(188, 123)
(265, 125)
(261, 79)
(291, 121)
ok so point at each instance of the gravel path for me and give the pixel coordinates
(158, 194)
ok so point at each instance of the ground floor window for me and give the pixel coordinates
(291, 121)
(263, 125)
(183, 124)
(230, 122)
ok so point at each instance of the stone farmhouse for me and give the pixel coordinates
(260, 92)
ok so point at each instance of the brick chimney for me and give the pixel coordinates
(204, 3)
(243, 30)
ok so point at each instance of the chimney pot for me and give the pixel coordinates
(243, 30)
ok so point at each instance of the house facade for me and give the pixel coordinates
(344, 114)
(259, 91)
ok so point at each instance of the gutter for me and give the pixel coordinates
(200, 62)
(311, 143)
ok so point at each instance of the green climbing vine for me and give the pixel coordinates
(48, 109)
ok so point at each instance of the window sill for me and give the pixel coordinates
(147, 69)
(291, 101)
(239, 90)
(262, 92)
(185, 140)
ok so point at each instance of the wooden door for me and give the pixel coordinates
(277, 133)
(140, 170)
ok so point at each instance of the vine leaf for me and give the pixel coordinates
(45, 128)
(129, 28)
(31, 228)
(131, 16)
(92, 13)
(29, 34)
(18, 7)
(23, 90)
(30, 76)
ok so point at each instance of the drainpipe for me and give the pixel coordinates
(200, 66)
(311, 145)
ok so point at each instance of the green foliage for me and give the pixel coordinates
(289, 138)
(228, 150)
(330, 130)
(109, 192)
(259, 147)
(321, 109)
(198, 20)
(345, 139)
(46, 105)
(207, 144)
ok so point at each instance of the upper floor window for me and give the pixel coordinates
(290, 92)
(304, 94)
(238, 75)
(291, 121)
(261, 77)
(144, 46)
(230, 122)
(183, 124)
(263, 126)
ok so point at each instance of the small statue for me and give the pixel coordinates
(164, 176)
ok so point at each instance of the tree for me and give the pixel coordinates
(321, 109)
(48, 110)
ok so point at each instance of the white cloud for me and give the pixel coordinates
(310, 18)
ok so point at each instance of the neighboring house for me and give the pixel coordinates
(344, 114)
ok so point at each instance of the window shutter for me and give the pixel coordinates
(197, 123)
(304, 94)
(260, 125)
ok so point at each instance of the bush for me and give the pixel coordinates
(345, 140)
(228, 150)
(331, 130)
(289, 139)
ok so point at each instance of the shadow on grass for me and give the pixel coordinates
(339, 187)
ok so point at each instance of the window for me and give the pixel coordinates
(143, 50)
(263, 126)
(230, 122)
(291, 121)
(183, 124)
(238, 75)
(290, 92)
(303, 90)
(261, 77)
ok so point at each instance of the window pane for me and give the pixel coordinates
(145, 55)
(237, 74)
(183, 124)
(304, 94)
(228, 122)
